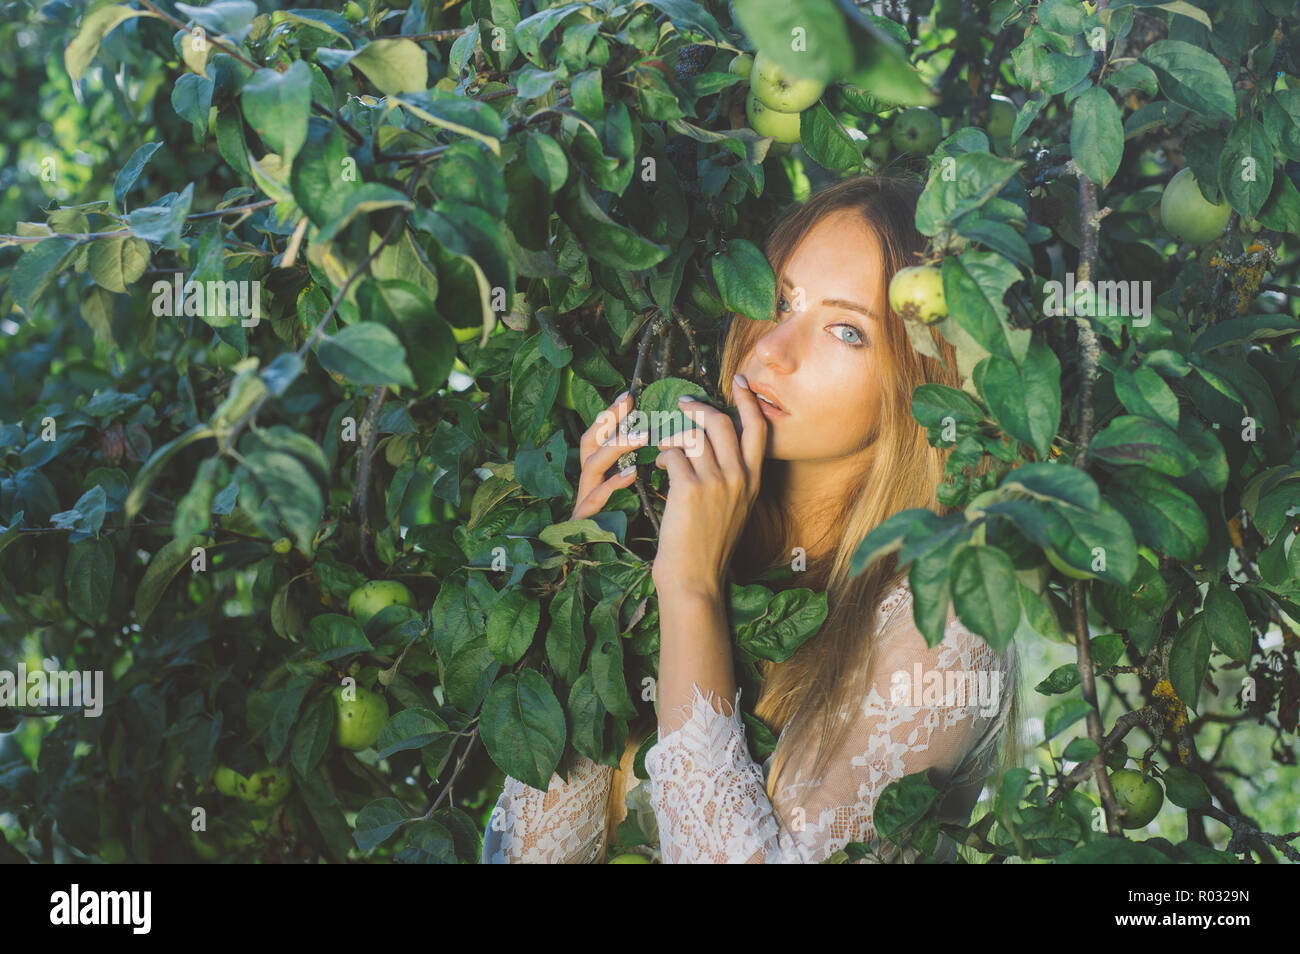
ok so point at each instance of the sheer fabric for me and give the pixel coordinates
(942, 709)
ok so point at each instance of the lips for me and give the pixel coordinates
(763, 391)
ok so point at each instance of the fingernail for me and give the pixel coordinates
(741, 380)
(627, 471)
(620, 397)
(638, 435)
(685, 397)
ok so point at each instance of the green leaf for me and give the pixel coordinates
(985, 594)
(163, 224)
(457, 114)
(566, 640)
(35, 269)
(311, 736)
(606, 663)
(163, 567)
(377, 822)
(512, 625)
(366, 354)
(277, 106)
(1163, 517)
(547, 160)
(1185, 789)
(88, 575)
(326, 812)
(605, 240)
(1096, 135)
(291, 492)
(975, 178)
(1054, 482)
(903, 803)
(1227, 622)
(394, 65)
(370, 197)
(1063, 715)
(826, 141)
(1025, 400)
(974, 284)
(116, 263)
(126, 178)
(788, 620)
(229, 17)
(94, 27)
(1190, 658)
(745, 280)
(522, 727)
(409, 729)
(1246, 166)
(1192, 77)
(1132, 441)
(333, 636)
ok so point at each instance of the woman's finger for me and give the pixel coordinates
(596, 464)
(605, 425)
(720, 449)
(594, 502)
(753, 437)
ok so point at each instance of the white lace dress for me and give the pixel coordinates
(943, 709)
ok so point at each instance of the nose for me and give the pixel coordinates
(777, 349)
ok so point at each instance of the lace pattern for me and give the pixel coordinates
(942, 709)
(924, 709)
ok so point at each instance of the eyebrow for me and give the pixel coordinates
(838, 302)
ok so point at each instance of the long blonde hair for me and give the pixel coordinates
(804, 694)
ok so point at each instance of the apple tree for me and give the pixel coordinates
(305, 312)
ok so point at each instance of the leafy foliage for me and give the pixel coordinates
(310, 316)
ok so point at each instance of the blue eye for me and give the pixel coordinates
(853, 331)
(782, 304)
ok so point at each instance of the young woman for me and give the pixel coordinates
(834, 453)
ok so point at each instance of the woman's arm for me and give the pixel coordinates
(563, 825)
(709, 796)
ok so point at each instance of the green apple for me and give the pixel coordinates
(265, 788)
(1065, 569)
(566, 390)
(917, 131)
(1139, 795)
(779, 89)
(1185, 213)
(359, 720)
(742, 66)
(353, 12)
(630, 858)
(1002, 117)
(370, 598)
(227, 780)
(783, 127)
(282, 545)
(471, 333)
(916, 294)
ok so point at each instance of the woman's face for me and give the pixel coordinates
(821, 360)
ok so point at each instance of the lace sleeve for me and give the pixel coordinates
(563, 825)
(940, 708)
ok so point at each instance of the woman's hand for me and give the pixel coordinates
(713, 483)
(599, 450)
